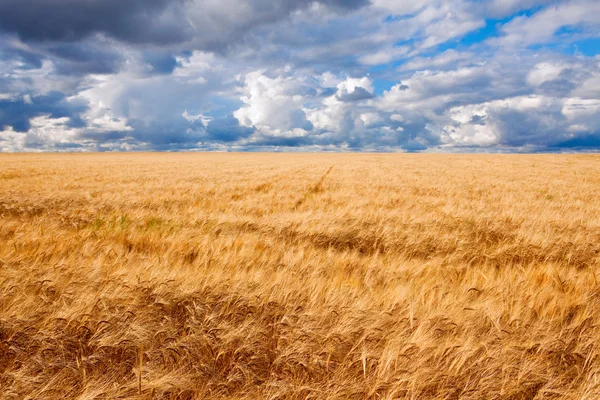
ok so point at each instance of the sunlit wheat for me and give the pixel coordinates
(251, 276)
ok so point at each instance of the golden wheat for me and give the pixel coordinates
(277, 276)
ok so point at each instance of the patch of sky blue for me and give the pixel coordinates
(383, 68)
(161, 63)
(408, 42)
(218, 107)
(554, 47)
(490, 30)
(186, 54)
(382, 73)
(567, 30)
(379, 69)
(587, 47)
(381, 85)
(394, 18)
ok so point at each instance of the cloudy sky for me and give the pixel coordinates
(334, 75)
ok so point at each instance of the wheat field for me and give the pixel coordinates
(299, 276)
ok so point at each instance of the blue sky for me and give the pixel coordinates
(300, 75)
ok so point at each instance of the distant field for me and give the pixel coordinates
(281, 276)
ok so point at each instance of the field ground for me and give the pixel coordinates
(279, 276)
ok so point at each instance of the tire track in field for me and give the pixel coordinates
(313, 190)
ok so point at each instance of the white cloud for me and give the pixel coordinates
(544, 72)
(53, 130)
(427, 90)
(273, 105)
(542, 26)
(452, 20)
(401, 7)
(45, 134)
(443, 59)
(522, 120)
(205, 120)
(337, 113)
(501, 8)
(589, 87)
(383, 56)
(332, 115)
(355, 89)
(584, 114)
(11, 141)
(328, 80)
(192, 69)
(371, 119)
(467, 134)
(350, 84)
(290, 106)
(102, 120)
(40, 81)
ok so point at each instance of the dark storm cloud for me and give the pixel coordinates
(227, 129)
(160, 63)
(163, 134)
(566, 81)
(348, 4)
(172, 134)
(17, 113)
(84, 58)
(412, 146)
(585, 142)
(557, 87)
(72, 59)
(415, 128)
(28, 59)
(357, 94)
(68, 146)
(134, 21)
(159, 22)
(521, 128)
(477, 120)
(279, 141)
(102, 137)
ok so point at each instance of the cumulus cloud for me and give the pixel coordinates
(354, 89)
(534, 120)
(274, 105)
(43, 134)
(290, 110)
(435, 90)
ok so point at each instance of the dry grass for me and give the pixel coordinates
(299, 276)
